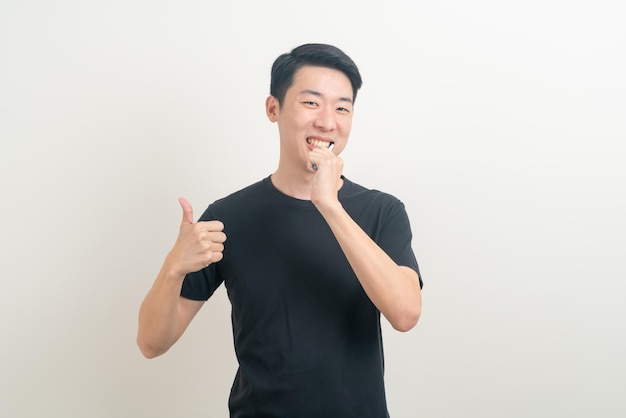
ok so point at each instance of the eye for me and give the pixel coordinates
(343, 109)
(310, 103)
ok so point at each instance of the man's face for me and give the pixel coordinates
(316, 112)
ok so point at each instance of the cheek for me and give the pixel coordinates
(346, 125)
(345, 132)
(339, 147)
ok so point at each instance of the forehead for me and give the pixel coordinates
(326, 81)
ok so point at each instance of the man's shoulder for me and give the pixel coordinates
(235, 202)
(355, 191)
(249, 192)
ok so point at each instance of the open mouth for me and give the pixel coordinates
(316, 143)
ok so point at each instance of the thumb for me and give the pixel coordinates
(187, 211)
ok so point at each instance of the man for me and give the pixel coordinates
(311, 261)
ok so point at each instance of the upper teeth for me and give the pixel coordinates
(319, 144)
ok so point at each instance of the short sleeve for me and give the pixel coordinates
(395, 237)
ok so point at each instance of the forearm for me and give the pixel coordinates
(158, 316)
(393, 289)
(164, 314)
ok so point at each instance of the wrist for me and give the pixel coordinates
(329, 208)
(172, 271)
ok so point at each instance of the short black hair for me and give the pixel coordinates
(317, 55)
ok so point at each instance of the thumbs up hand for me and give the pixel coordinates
(198, 244)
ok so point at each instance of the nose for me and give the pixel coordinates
(325, 120)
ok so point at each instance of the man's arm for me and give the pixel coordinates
(394, 290)
(164, 314)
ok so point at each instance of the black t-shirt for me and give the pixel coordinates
(307, 337)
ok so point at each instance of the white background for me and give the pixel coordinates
(501, 125)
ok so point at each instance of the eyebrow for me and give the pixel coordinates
(318, 94)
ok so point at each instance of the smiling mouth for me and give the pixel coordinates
(316, 143)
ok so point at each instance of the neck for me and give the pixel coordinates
(296, 185)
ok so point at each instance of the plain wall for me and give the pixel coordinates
(501, 126)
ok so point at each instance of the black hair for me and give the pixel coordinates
(317, 55)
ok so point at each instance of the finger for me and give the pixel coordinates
(217, 247)
(314, 163)
(187, 211)
(317, 156)
(210, 236)
(214, 226)
(210, 226)
(217, 237)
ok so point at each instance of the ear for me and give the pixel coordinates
(272, 107)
